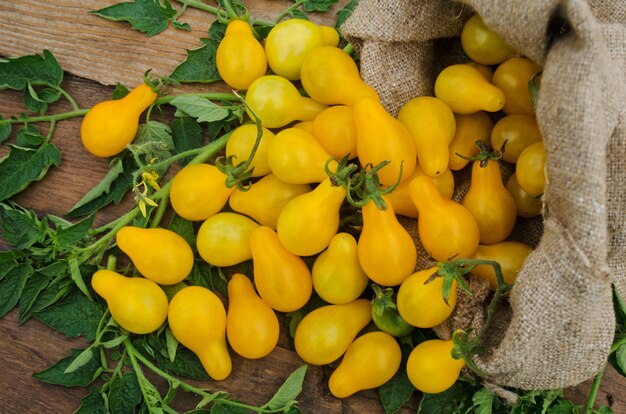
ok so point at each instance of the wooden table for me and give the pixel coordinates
(96, 54)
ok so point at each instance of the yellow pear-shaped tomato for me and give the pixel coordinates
(530, 168)
(288, 43)
(240, 144)
(198, 191)
(337, 274)
(421, 304)
(446, 228)
(491, 205)
(158, 254)
(224, 239)
(309, 221)
(518, 131)
(386, 249)
(330, 76)
(240, 58)
(277, 102)
(482, 44)
(381, 137)
(512, 78)
(305, 125)
(485, 70)
(335, 130)
(466, 90)
(432, 368)
(296, 157)
(251, 325)
(110, 126)
(509, 254)
(197, 319)
(469, 129)
(265, 199)
(527, 205)
(136, 304)
(370, 361)
(401, 200)
(325, 333)
(282, 279)
(432, 126)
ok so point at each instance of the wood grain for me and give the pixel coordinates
(95, 53)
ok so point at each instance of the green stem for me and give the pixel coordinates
(158, 215)
(288, 10)
(349, 49)
(232, 14)
(618, 344)
(594, 390)
(216, 11)
(111, 262)
(67, 96)
(46, 118)
(53, 125)
(215, 96)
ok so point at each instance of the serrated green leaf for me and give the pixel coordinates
(92, 403)
(55, 292)
(115, 342)
(397, 391)
(289, 391)
(119, 92)
(456, 399)
(318, 5)
(181, 25)
(187, 135)
(5, 129)
(299, 14)
(66, 237)
(54, 269)
(29, 137)
(17, 73)
(199, 65)
(23, 166)
(74, 316)
(9, 256)
(20, 228)
(32, 101)
(36, 284)
(12, 286)
(184, 228)
(223, 408)
(154, 140)
(172, 345)
(564, 406)
(102, 188)
(82, 377)
(81, 360)
(483, 401)
(620, 357)
(124, 394)
(186, 364)
(345, 12)
(148, 16)
(202, 109)
(49, 95)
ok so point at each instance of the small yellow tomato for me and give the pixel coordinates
(514, 133)
(509, 254)
(240, 144)
(240, 58)
(530, 169)
(527, 205)
(224, 239)
(432, 368)
(512, 77)
(482, 44)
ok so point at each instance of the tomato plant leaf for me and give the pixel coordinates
(119, 92)
(181, 25)
(345, 12)
(397, 391)
(22, 166)
(187, 135)
(184, 228)
(289, 391)
(92, 403)
(81, 359)
(620, 357)
(74, 316)
(186, 364)
(221, 408)
(17, 73)
(483, 401)
(29, 137)
(20, 228)
(154, 140)
(12, 286)
(199, 66)
(5, 129)
(456, 399)
(36, 284)
(202, 109)
(172, 345)
(82, 377)
(318, 5)
(124, 394)
(148, 16)
(32, 101)
(66, 237)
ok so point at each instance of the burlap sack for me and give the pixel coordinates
(560, 324)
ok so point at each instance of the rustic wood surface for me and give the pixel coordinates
(95, 53)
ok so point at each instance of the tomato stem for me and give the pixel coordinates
(594, 389)
(288, 11)
(45, 118)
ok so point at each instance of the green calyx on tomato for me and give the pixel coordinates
(385, 313)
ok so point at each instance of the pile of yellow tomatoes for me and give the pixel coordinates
(292, 208)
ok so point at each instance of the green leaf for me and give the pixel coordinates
(181, 25)
(66, 237)
(184, 228)
(345, 12)
(103, 188)
(81, 360)
(172, 344)
(154, 140)
(36, 284)
(115, 342)
(92, 403)
(55, 292)
(148, 16)
(299, 14)
(202, 109)
(74, 316)
(187, 135)
(620, 357)
(289, 391)
(186, 364)
(457, 399)
(119, 92)
(397, 391)
(318, 5)
(211, 277)
(49, 95)
(23, 166)
(20, 228)
(12, 286)
(199, 66)
(82, 377)
(483, 401)
(564, 406)
(32, 101)
(603, 410)
(124, 394)
(17, 73)
(223, 408)
(5, 129)
(54, 269)
(29, 137)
